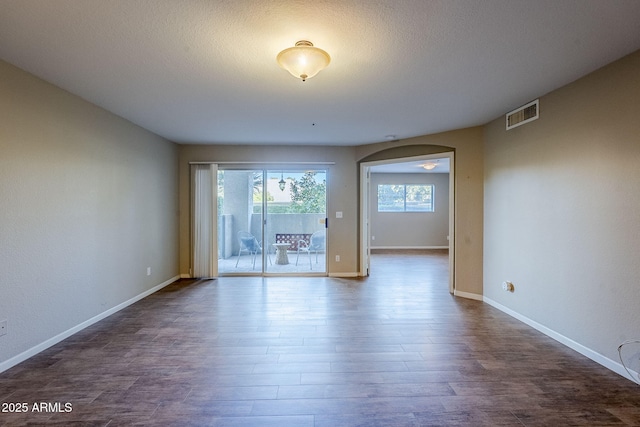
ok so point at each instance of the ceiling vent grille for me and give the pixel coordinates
(525, 114)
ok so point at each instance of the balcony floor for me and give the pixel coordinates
(245, 264)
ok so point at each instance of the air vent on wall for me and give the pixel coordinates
(522, 115)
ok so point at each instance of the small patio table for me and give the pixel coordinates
(281, 253)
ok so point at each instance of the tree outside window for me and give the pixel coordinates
(405, 198)
(307, 194)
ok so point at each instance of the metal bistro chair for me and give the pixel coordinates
(249, 244)
(316, 244)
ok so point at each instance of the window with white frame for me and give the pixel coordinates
(405, 198)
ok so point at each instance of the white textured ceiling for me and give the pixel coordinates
(204, 71)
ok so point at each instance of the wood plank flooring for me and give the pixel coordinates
(394, 349)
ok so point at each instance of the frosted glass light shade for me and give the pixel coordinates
(304, 60)
(429, 166)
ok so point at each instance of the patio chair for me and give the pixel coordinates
(250, 245)
(316, 244)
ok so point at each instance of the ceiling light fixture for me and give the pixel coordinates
(282, 184)
(304, 60)
(430, 165)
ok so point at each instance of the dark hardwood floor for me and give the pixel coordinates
(395, 349)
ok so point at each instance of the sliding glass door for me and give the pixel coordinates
(271, 221)
(240, 221)
(296, 218)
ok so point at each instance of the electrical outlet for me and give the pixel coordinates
(508, 286)
(148, 271)
(337, 258)
(3, 327)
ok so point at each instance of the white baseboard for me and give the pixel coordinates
(66, 334)
(408, 247)
(344, 275)
(185, 276)
(585, 351)
(467, 295)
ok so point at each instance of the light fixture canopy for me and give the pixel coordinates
(304, 60)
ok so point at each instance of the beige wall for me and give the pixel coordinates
(343, 195)
(89, 201)
(561, 211)
(411, 229)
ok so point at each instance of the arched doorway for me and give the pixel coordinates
(405, 155)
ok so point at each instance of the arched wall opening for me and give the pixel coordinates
(393, 155)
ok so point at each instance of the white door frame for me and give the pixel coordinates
(365, 210)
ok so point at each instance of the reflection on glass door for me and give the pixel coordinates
(292, 240)
(296, 217)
